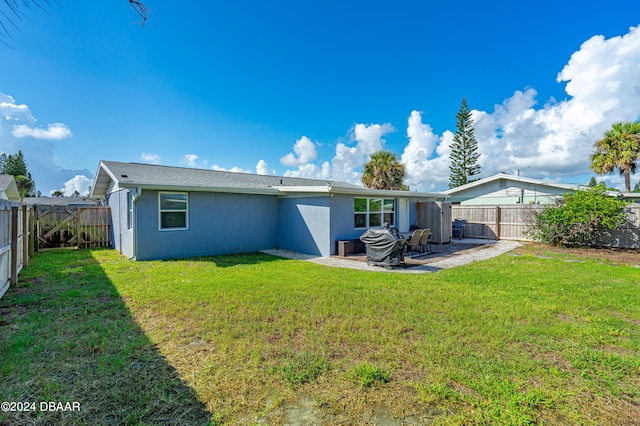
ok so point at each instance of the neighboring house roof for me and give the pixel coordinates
(61, 201)
(8, 188)
(149, 176)
(631, 196)
(513, 179)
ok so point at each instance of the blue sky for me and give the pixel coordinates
(312, 88)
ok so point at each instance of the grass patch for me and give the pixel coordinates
(369, 375)
(246, 339)
(301, 368)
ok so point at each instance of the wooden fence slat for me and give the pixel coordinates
(510, 222)
(14, 245)
(90, 226)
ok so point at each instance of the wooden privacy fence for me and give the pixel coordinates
(70, 226)
(510, 222)
(436, 216)
(16, 241)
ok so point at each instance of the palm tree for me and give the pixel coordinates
(618, 149)
(383, 171)
(12, 11)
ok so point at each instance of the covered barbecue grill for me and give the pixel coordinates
(384, 246)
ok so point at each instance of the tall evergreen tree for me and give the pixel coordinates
(464, 150)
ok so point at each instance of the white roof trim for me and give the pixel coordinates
(511, 178)
(358, 191)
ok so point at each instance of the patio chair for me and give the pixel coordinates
(425, 245)
(458, 228)
(414, 241)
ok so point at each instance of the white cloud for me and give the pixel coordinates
(150, 158)
(54, 131)
(348, 159)
(18, 133)
(262, 168)
(312, 171)
(305, 152)
(190, 160)
(554, 140)
(426, 168)
(79, 183)
(12, 111)
(234, 169)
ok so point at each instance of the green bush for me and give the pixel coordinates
(577, 218)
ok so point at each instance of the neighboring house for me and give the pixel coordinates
(508, 189)
(61, 201)
(161, 212)
(8, 188)
(632, 197)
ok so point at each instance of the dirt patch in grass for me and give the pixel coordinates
(604, 254)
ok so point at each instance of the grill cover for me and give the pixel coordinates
(384, 246)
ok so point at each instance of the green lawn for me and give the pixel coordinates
(255, 339)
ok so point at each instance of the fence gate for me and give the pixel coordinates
(73, 226)
(436, 216)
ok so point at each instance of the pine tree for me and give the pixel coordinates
(3, 164)
(464, 150)
(14, 165)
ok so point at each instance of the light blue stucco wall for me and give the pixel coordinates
(235, 223)
(218, 223)
(122, 237)
(342, 220)
(304, 224)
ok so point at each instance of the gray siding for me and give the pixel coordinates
(218, 223)
(508, 192)
(122, 237)
(304, 224)
(342, 220)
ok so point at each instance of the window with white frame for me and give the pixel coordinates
(372, 212)
(173, 210)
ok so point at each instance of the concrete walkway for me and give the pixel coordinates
(489, 249)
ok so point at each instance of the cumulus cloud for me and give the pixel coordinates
(426, 156)
(553, 140)
(262, 168)
(150, 158)
(348, 160)
(234, 169)
(19, 133)
(79, 183)
(54, 131)
(312, 171)
(305, 152)
(191, 160)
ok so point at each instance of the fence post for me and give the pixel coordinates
(25, 237)
(79, 227)
(497, 222)
(14, 245)
(32, 230)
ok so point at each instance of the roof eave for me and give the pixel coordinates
(195, 188)
(358, 191)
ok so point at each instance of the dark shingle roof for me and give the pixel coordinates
(149, 175)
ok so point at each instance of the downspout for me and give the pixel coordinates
(134, 219)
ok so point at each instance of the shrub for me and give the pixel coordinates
(577, 218)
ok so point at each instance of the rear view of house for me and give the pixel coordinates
(161, 212)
